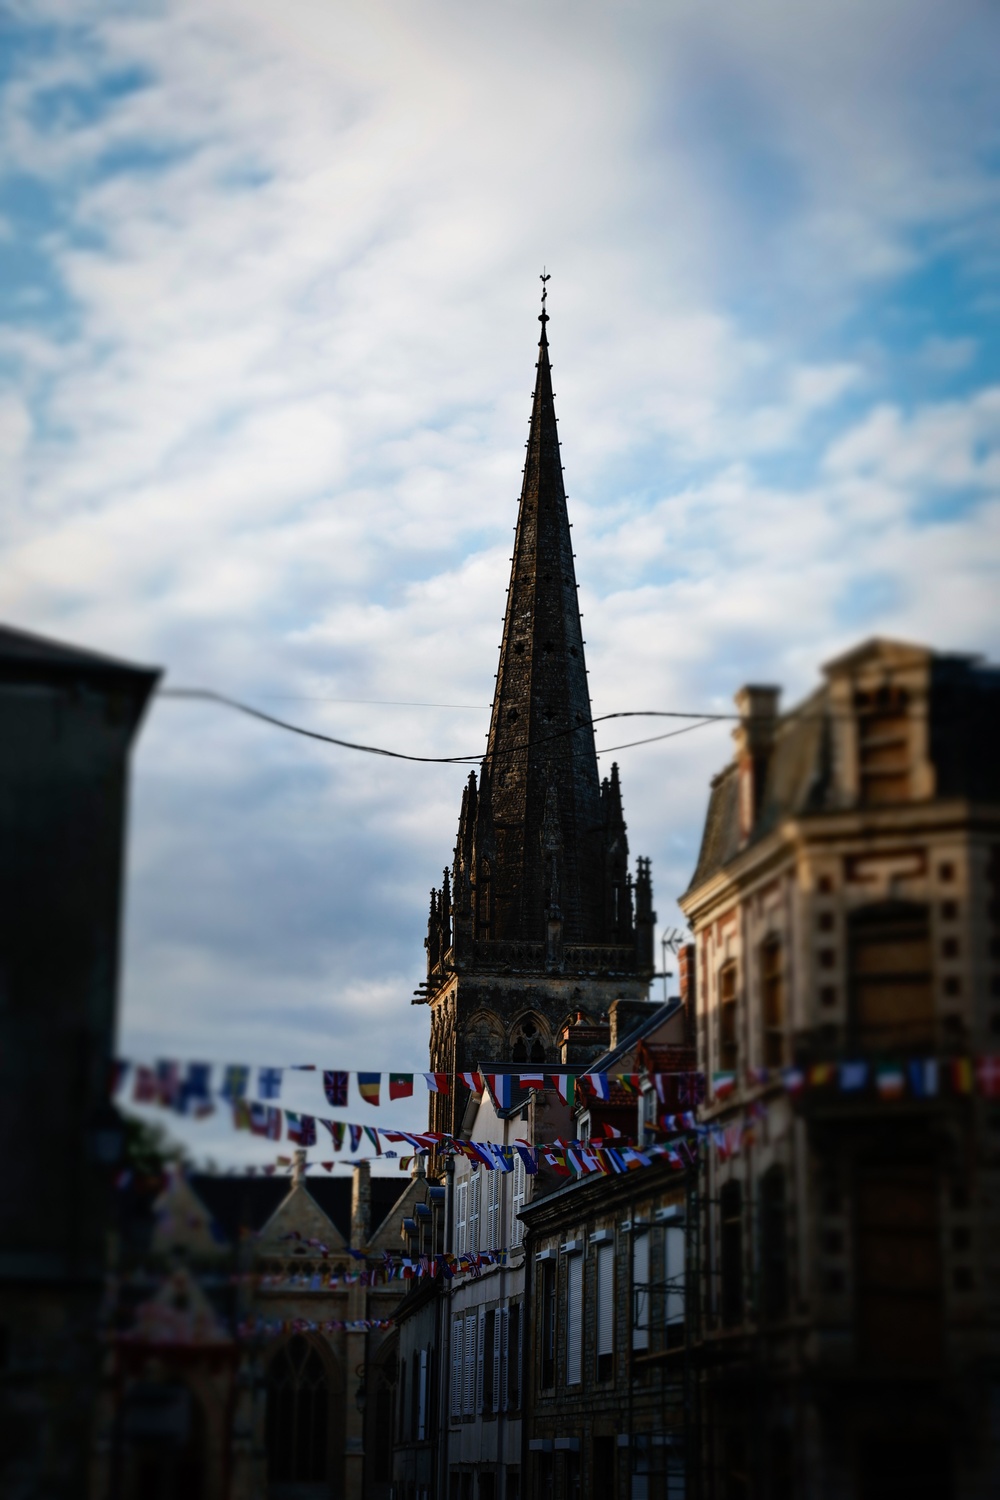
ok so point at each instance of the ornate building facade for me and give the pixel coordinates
(847, 930)
(539, 917)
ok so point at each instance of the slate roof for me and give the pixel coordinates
(24, 656)
(249, 1202)
(964, 712)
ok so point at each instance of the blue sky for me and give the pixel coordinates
(268, 287)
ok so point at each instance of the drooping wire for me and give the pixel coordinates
(207, 695)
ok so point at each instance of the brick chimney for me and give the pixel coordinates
(758, 708)
(361, 1206)
(583, 1039)
(626, 1016)
(687, 981)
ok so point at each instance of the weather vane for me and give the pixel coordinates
(545, 276)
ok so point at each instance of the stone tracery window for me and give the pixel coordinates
(298, 1407)
(528, 1045)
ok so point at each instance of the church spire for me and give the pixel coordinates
(541, 744)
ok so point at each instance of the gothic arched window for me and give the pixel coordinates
(298, 1405)
(528, 1045)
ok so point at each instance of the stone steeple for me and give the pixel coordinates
(540, 916)
(541, 765)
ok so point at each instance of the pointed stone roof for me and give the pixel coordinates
(540, 769)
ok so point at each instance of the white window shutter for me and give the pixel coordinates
(496, 1355)
(479, 1362)
(605, 1299)
(475, 1204)
(461, 1216)
(504, 1317)
(493, 1216)
(457, 1365)
(469, 1401)
(518, 1196)
(574, 1319)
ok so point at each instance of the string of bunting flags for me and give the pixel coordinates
(189, 1087)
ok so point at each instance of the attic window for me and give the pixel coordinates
(573, 651)
(518, 648)
(512, 714)
(883, 745)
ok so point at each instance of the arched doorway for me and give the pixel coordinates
(299, 1432)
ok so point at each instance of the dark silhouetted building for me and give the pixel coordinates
(67, 722)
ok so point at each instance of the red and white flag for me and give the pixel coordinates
(437, 1083)
(473, 1081)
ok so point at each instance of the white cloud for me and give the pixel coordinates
(274, 442)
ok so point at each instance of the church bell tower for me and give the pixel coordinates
(538, 919)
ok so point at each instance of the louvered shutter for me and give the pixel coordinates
(493, 1214)
(422, 1398)
(469, 1403)
(605, 1299)
(481, 1335)
(496, 1355)
(457, 1365)
(517, 1202)
(504, 1316)
(461, 1216)
(475, 1204)
(574, 1319)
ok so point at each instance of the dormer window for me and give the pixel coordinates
(883, 745)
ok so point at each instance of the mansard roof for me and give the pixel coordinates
(959, 696)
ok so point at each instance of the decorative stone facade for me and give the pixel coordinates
(224, 1367)
(845, 922)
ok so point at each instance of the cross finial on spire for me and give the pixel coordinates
(543, 317)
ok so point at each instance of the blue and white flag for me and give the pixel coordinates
(269, 1083)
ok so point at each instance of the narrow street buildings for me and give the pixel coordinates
(847, 931)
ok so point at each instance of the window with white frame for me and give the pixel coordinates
(475, 1206)
(517, 1197)
(574, 1319)
(673, 1255)
(640, 1289)
(605, 1332)
(461, 1218)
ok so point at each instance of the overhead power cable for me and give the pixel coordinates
(207, 695)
